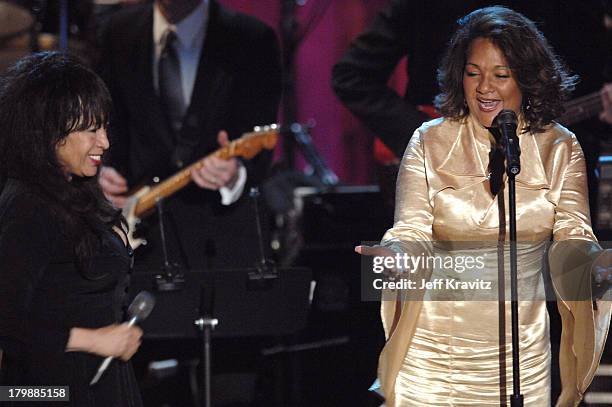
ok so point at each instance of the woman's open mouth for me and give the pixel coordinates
(96, 159)
(488, 105)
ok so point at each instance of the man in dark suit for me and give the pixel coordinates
(183, 75)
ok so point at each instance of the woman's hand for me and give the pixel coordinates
(377, 250)
(119, 341)
(114, 185)
(384, 259)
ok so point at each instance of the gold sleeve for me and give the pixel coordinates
(413, 211)
(571, 258)
(572, 218)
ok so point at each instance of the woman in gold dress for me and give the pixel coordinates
(446, 350)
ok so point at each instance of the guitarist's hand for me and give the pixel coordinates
(606, 100)
(114, 185)
(216, 172)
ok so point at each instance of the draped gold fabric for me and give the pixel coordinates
(447, 352)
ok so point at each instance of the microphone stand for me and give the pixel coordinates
(512, 170)
(206, 323)
(303, 139)
(265, 269)
(168, 281)
(516, 399)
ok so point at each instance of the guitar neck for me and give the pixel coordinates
(581, 108)
(177, 181)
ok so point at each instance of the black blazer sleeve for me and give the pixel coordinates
(27, 243)
(118, 155)
(360, 77)
(257, 92)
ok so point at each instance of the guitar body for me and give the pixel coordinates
(133, 221)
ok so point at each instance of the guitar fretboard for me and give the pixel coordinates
(165, 189)
(182, 178)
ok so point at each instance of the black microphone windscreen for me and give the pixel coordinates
(506, 116)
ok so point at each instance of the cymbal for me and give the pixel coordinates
(14, 20)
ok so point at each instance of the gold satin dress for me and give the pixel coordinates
(449, 351)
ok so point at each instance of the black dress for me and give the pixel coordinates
(43, 296)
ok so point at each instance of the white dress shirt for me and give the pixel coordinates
(190, 33)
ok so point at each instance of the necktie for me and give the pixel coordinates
(170, 85)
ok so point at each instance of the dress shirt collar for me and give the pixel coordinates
(188, 30)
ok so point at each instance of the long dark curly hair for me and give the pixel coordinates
(541, 76)
(43, 98)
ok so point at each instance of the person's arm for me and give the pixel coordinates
(226, 176)
(112, 177)
(606, 102)
(412, 230)
(254, 103)
(413, 210)
(360, 78)
(256, 95)
(118, 155)
(27, 242)
(119, 341)
(575, 258)
(572, 217)
(28, 239)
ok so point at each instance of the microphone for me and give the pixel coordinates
(507, 123)
(139, 309)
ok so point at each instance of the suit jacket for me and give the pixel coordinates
(237, 87)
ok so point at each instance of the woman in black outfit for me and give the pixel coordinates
(64, 259)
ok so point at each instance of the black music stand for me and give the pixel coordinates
(244, 306)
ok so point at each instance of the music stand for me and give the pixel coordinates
(244, 307)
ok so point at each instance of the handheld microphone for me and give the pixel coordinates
(139, 309)
(507, 123)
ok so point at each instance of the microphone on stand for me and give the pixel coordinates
(507, 123)
(139, 309)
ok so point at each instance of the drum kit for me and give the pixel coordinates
(20, 33)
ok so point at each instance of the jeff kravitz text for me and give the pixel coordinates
(401, 269)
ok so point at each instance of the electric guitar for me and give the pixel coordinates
(581, 108)
(141, 203)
